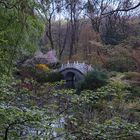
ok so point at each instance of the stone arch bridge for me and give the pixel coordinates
(74, 72)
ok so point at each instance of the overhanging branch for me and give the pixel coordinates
(122, 10)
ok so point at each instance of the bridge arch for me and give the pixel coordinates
(73, 73)
(72, 77)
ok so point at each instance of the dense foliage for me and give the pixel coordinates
(20, 31)
(37, 106)
(46, 112)
(94, 79)
(120, 64)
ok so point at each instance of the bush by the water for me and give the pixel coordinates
(41, 73)
(51, 77)
(54, 77)
(93, 80)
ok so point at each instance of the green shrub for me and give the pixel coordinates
(51, 77)
(135, 91)
(93, 97)
(40, 75)
(93, 80)
(115, 129)
(120, 64)
(132, 76)
(54, 77)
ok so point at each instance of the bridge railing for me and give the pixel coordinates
(84, 68)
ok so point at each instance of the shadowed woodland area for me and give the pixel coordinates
(69, 69)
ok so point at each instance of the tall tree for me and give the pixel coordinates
(97, 10)
(20, 30)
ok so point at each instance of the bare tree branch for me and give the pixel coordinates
(122, 10)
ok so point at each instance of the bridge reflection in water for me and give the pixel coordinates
(70, 80)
